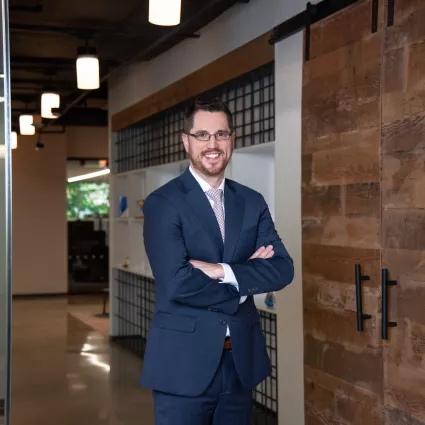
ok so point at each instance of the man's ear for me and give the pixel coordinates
(185, 139)
(233, 139)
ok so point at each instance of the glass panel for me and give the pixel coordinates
(5, 222)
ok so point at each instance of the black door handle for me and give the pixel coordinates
(385, 284)
(359, 300)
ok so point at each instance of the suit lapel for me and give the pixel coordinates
(200, 204)
(234, 206)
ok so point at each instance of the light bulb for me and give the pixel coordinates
(13, 140)
(164, 12)
(87, 69)
(49, 101)
(25, 125)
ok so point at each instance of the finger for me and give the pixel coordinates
(270, 254)
(258, 252)
(266, 251)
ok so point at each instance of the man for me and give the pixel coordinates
(212, 245)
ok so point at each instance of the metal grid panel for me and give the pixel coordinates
(266, 392)
(157, 140)
(135, 300)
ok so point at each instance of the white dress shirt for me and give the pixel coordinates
(229, 276)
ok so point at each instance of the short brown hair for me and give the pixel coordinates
(205, 104)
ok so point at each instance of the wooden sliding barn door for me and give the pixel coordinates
(341, 212)
(403, 212)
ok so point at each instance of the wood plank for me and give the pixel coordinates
(352, 84)
(336, 140)
(250, 56)
(341, 29)
(336, 263)
(395, 69)
(342, 296)
(357, 163)
(404, 390)
(395, 416)
(356, 56)
(416, 66)
(360, 368)
(404, 263)
(408, 29)
(322, 201)
(403, 229)
(355, 232)
(358, 411)
(406, 8)
(339, 326)
(363, 200)
(403, 180)
(404, 134)
(332, 117)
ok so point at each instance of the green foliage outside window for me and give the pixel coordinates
(87, 198)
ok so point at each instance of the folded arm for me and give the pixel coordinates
(168, 258)
(262, 275)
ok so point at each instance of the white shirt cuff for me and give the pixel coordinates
(230, 278)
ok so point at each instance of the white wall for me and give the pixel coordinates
(239, 25)
(87, 142)
(288, 80)
(39, 232)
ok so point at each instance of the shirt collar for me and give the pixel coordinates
(204, 185)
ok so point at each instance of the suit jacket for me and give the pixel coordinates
(192, 311)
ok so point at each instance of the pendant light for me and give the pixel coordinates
(13, 140)
(87, 68)
(25, 125)
(49, 100)
(164, 12)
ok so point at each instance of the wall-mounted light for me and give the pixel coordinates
(89, 175)
(25, 125)
(49, 100)
(87, 68)
(164, 12)
(13, 140)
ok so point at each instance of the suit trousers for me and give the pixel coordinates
(225, 401)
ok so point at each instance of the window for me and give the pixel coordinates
(87, 199)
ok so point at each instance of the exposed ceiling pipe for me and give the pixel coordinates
(33, 9)
(73, 31)
(145, 52)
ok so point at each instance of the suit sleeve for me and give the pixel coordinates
(168, 257)
(259, 276)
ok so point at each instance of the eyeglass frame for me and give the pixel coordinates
(231, 132)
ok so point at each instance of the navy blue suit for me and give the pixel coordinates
(192, 311)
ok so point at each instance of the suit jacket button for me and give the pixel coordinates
(223, 322)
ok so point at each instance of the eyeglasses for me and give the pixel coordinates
(204, 136)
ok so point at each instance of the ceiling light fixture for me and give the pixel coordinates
(89, 175)
(49, 100)
(13, 140)
(164, 12)
(87, 68)
(25, 125)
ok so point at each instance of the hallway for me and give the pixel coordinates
(64, 372)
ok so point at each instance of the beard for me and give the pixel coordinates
(209, 170)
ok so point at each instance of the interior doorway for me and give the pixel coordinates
(87, 193)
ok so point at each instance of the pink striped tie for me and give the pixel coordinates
(216, 196)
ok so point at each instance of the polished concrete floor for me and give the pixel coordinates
(64, 372)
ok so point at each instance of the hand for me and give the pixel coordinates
(263, 252)
(213, 271)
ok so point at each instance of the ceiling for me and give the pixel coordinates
(45, 36)
(78, 168)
